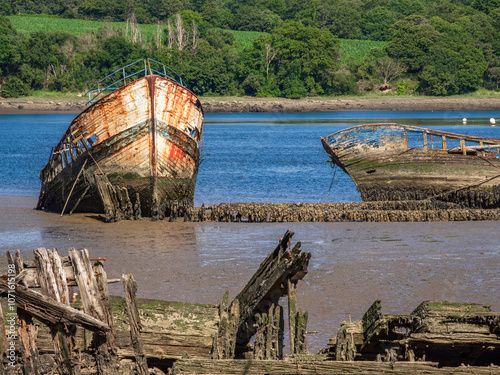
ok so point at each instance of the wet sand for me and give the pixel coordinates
(255, 104)
(352, 264)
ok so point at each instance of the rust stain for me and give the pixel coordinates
(135, 131)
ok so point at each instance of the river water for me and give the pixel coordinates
(263, 158)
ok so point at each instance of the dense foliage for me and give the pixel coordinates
(433, 47)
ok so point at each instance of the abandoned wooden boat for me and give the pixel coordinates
(134, 151)
(390, 162)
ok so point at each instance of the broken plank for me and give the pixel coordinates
(51, 312)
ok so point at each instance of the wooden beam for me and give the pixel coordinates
(310, 366)
(51, 312)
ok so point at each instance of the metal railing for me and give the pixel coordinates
(129, 73)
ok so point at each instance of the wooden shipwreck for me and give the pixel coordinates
(67, 323)
(134, 151)
(391, 162)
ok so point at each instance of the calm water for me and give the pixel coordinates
(261, 157)
(265, 158)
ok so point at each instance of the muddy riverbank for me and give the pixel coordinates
(248, 104)
(352, 264)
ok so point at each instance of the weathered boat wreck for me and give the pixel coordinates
(67, 323)
(391, 162)
(134, 151)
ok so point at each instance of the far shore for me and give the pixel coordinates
(38, 105)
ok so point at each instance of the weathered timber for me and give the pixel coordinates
(319, 367)
(449, 333)
(128, 161)
(292, 313)
(66, 353)
(169, 329)
(28, 351)
(102, 284)
(130, 289)
(300, 332)
(263, 290)
(394, 162)
(49, 311)
(106, 359)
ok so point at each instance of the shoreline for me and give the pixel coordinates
(33, 105)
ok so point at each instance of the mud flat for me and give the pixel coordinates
(248, 104)
(353, 263)
(95, 333)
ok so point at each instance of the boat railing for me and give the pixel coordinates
(128, 73)
(416, 137)
(404, 137)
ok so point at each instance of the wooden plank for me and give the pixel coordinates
(130, 289)
(314, 367)
(51, 289)
(51, 312)
(106, 360)
(28, 351)
(102, 283)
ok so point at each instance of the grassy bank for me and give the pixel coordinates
(27, 24)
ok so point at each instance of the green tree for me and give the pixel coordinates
(376, 23)
(305, 51)
(412, 39)
(346, 20)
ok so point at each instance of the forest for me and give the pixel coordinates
(424, 47)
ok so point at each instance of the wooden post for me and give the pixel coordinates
(462, 146)
(270, 342)
(130, 289)
(292, 313)
(300, 335)
(73, 187)
(102, 283)
(424, 134)
(28, 352)
(279, 326)
(443, 141)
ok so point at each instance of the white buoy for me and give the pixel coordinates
(492, 121)
(464, 121)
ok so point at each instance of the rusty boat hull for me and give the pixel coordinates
(132, 153)
(393, 162)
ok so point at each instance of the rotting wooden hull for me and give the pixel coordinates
(132, 153)
(397, 162)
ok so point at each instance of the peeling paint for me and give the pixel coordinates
(149, 128)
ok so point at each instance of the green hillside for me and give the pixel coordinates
(356, 49)
(30, 24)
